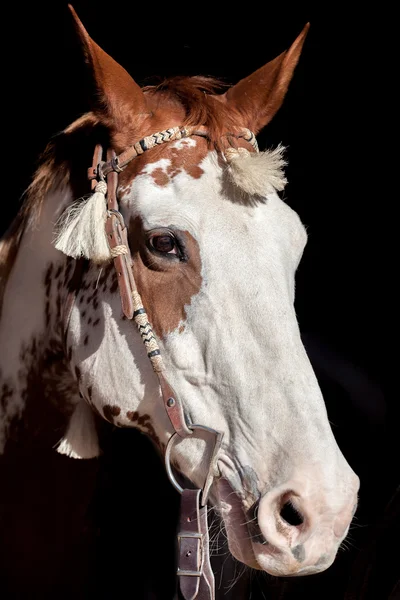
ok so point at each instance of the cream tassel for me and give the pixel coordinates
(257, 173)
(80, 440)
(81, 228)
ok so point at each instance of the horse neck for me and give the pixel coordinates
(33, 366)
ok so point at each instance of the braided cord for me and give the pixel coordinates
(118, 250)
(150, 141)
(146, 333)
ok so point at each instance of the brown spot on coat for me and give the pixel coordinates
(160, 177)
(67, 270)
(186, 157)
(47, 313)
(132, 415)
(47, 279)
(110, 412)
(114, 284)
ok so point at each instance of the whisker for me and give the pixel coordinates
(249, 521)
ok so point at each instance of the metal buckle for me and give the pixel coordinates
(180, 573)
(112, 211)
(193, 535)
(190, 534)
(210, 474)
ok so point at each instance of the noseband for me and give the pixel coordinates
(196, 578)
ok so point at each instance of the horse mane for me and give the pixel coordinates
(200, 98)
(53, 171)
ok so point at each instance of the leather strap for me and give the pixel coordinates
(117, 236)
(173, 408)
(118, 163)
(196, 580)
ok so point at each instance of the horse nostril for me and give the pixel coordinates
(291, 515)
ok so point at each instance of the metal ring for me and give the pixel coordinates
(99, 171)
(112, 211)
(209, 476)
(168, 468)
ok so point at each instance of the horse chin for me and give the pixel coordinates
(235, 520)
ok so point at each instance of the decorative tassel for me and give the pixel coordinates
(80, 440)
(81, 228)
(257, 173)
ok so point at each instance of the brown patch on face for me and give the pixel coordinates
(185, 158)
(110, 412)
(160, 177)
(166, 286)
(195, 171)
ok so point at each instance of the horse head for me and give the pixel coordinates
(214, 253)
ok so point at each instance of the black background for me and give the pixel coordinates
(338, 125)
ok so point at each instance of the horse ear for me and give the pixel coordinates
(117, 96)
(259, 96)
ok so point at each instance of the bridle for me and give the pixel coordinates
(196, 579)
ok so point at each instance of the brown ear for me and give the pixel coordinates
(259, 96)
(118, 97)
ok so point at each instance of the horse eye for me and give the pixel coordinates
(165, 244)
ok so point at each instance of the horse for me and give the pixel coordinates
(185, 234)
